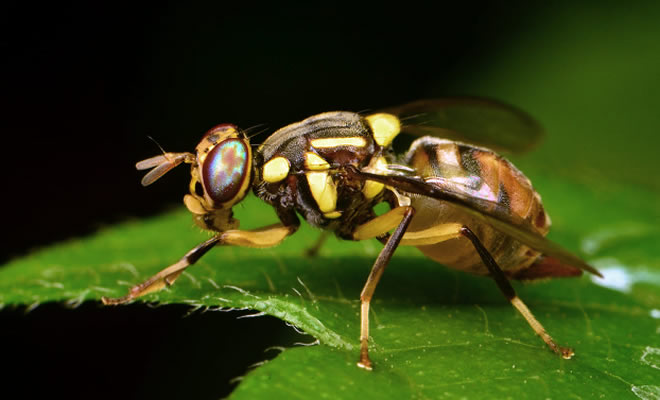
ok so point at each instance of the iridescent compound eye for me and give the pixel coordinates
(225, 169)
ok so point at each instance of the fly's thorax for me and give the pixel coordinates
(298, 165)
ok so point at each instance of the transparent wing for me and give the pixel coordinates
(487, 211)
(478, 121)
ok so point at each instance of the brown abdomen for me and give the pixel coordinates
(474, 173)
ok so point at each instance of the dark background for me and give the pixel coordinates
(84, 84)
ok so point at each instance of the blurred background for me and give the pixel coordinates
(84, 85)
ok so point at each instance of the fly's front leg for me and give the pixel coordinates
(165, 277)
(374, 228)
(508, 291)
(265, 237)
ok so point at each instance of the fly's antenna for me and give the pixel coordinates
(162, 150)
(161, 164)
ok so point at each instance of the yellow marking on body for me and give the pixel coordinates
(314, 162)
(432, 235)
(323, 190)
(372, 189)
(276, 169)
(380, 225)
(385, 127)
(332, 214)
(324, 143)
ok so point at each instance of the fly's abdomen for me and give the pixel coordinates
(490, 182)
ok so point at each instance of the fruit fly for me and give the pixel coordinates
(461, 204)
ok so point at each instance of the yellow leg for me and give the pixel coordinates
(258, 238)
(564, 352)
(432, 235)
(381, 224)
(373, 279)
(507, 290)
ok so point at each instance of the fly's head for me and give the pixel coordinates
(221, 175)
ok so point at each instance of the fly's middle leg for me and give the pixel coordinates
(377, 270)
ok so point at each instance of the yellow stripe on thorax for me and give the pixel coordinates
(324, 143)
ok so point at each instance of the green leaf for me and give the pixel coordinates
(436, 332)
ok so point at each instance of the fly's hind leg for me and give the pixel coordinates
(508, 291)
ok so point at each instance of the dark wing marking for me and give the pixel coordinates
(472, 120)
(486, 211)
